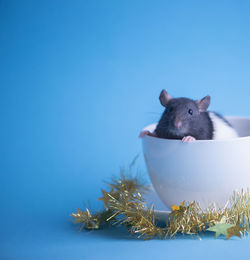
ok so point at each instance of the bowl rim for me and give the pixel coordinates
(202, 141)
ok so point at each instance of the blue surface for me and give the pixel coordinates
(79, 80)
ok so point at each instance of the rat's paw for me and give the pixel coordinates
(142, 133)
(188, 139)
(147, 133)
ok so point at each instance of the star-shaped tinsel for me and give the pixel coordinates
(181, 206)
(234, 231)
(220, 228)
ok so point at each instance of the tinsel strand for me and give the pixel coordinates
(124, 205)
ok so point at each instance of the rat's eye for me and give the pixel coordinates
(190, 111)
(171, 109)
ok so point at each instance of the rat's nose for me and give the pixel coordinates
(177, 123)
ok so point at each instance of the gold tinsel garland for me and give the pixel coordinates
(124, 205)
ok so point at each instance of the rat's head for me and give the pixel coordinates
(181, 115)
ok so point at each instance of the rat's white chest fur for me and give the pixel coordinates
(221, 129)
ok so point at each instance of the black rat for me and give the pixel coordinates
(189, 120)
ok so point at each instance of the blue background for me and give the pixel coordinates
(79, 80)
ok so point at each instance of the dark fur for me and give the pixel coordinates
(198, 125)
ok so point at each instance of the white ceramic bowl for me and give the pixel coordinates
(205, 171)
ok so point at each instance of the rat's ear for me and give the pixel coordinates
(203, 104)
(164, 97)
